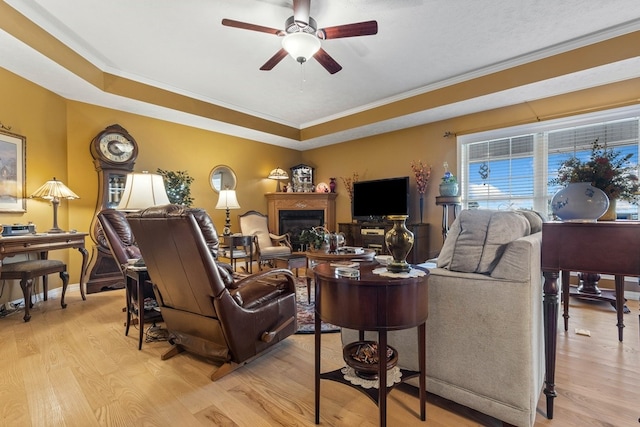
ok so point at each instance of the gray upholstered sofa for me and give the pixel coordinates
(485, 329)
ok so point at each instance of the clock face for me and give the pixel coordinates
(115, 147)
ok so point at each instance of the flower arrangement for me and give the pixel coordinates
(448, 177)
(422, 174)
(348, 184)
(606, 169)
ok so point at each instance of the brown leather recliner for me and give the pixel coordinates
(207, 314)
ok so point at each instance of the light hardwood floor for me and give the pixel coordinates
(75, 367)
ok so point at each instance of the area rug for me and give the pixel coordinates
(306, 311)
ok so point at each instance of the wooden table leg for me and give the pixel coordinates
(619, 280)
(550, 313)
(382, 376)
(83, 271)
(318, 334)
(422, 354)
(565, 298)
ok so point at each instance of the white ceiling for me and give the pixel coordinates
(181, 46)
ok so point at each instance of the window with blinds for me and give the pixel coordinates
(512, 172)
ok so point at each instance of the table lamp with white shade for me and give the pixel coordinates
(227, 200)
(54, 190)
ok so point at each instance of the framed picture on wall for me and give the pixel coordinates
(12, 172)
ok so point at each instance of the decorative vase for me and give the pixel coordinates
(332, 185)
(421, 207)
(579, 202)
(448, 189)
(399, 242)
(610, 214)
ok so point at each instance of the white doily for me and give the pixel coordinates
(414, 272)
(394, 376)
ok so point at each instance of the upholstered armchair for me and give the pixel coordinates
(207, 312)
(485, 328)
(268, 246)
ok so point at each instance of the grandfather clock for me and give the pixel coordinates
(114, 152)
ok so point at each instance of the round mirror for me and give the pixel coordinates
(222, 178)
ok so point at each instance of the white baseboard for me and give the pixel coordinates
(53, 293)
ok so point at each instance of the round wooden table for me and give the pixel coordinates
(371, 303)
(318, 256)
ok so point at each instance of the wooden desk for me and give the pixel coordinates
(609, 247)
(41, 244)
(371, 303)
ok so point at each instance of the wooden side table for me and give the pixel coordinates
(319, 256)
(294, 261)
(446, 202)
(371, 303)
(232, 242)
(135, 281)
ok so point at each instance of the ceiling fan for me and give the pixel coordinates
(301, 36)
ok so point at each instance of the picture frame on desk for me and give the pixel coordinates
(12, 172)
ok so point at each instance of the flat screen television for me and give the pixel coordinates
(373, 200)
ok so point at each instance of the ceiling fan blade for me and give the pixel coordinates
(274, 60)
(252, 27)
(327, 61)
(367, 28)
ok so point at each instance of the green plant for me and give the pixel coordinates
(606, 169)
(178, 186)
(313, 237)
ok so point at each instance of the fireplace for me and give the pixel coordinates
(294, 212)
(294, 221)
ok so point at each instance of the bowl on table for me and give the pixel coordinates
(383, 259)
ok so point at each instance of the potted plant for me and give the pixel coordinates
(449, 184)
(606, 169)
(178, 186)
(314, 238)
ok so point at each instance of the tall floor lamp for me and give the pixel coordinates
(54, 190)
(227, 200)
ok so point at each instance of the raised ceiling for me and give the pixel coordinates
(173, 60)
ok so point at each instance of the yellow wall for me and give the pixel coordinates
(390, 155)
(38, 115)
(59, 133)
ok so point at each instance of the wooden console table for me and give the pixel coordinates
(42, 244)
(608, 247)
(371, 303)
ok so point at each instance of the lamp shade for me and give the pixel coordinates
(278, 173)
(301, 46)
(54, 189)
(143, 190)
(227, 200)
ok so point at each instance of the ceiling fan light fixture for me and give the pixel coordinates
(301, 46)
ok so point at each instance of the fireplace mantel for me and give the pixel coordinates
(302, 202)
